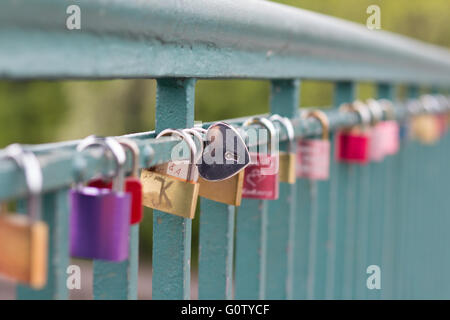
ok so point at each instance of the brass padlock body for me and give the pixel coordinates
(425, 129)
(23, 249)
(169, 194)
(286, 168)
(228, 191)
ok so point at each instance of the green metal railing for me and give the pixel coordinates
(318, 238)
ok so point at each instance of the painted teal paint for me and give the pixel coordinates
(172, 234)
(405, 209)
(281, 212)
(305, 197)
(341, 224)
(215, 271)
(55, 213)
(319, 243)
(378, 210)
(250, 259)
(118, 280)
(387, 240)
(311, 291)
(249, 39)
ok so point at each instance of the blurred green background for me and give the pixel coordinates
(37, 112)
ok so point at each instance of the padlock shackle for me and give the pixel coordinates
(134, 149)
(359, 108)
(199, 137)
(28, 162)
(287, 124)
(322, 117)
(200, 129)
(376, 109)
(388, 108)
(118, 152)
(190, 142)
(268, 125)
(429, 103)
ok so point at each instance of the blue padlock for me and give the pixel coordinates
(100, 218)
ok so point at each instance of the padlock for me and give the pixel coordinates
(391, 129)
(287, 159)
(24, 239)
(378, 133)
(228, 191)
(225, 153)
(314, 154)
(165, 191)
(353, 144)
(100, 218)
(426, 129)
(223, 165)
(261, 176)
(133, 184)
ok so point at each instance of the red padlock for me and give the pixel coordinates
(314, 154)
(353, 144)
(132, 183)
(261, 176)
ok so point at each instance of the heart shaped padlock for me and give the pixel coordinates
(225, 153)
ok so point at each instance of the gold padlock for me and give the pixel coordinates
(425, 129)
(24, 239)
(168, 193)
(228, 191)
(287, 159)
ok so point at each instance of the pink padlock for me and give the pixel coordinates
(392, 141)
(261, 176)
(314, 154)
(391, 128)
(353, 144)
(378, 139)
(378, 132)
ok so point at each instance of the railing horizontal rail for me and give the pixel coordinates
(205, 39)
(62, 156)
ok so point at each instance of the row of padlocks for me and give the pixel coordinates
(220, 168)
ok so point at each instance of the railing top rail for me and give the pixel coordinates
(205, 39)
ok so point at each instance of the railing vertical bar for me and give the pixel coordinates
(281, 212)
(118, 280)
(387, 91)
(250, 259)
(172, 234)
(56, 215)
(215, 271)
(342, 226)
(313, 230)
(407, 208)
(305, 198)
(320, 239)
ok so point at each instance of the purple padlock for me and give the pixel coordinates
(100, 218)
